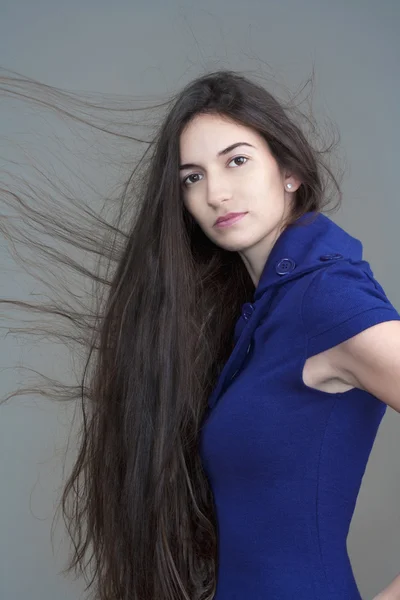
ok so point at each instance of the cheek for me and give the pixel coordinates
(188, 202)
(190, 209)
(195, 206)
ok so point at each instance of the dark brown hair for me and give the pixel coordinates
(155, 332)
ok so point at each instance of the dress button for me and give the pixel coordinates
(285, 266)
(335, 256)
(247, 310)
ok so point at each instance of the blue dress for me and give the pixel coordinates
(285, 461)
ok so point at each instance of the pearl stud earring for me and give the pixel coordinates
(289, 186)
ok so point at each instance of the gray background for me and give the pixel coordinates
(155, 47)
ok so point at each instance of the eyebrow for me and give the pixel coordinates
(220, 153)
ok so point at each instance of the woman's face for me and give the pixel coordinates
(217, 181)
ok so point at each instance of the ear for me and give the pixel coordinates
(294, 181)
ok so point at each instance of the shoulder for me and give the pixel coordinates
(340, 301)
(342, 288)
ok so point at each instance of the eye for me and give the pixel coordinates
(237, 157)
(186, 179)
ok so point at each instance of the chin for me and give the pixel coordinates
(234, 247)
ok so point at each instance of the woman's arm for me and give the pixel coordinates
(392, 592)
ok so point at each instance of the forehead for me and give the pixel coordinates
(210, 133)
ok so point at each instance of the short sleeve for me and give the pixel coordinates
(342, 300)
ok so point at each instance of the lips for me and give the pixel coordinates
(230, 217)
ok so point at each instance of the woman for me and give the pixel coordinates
(243, 361)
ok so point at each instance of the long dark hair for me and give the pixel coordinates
(155, 331)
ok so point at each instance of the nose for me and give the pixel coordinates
(217, 191)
